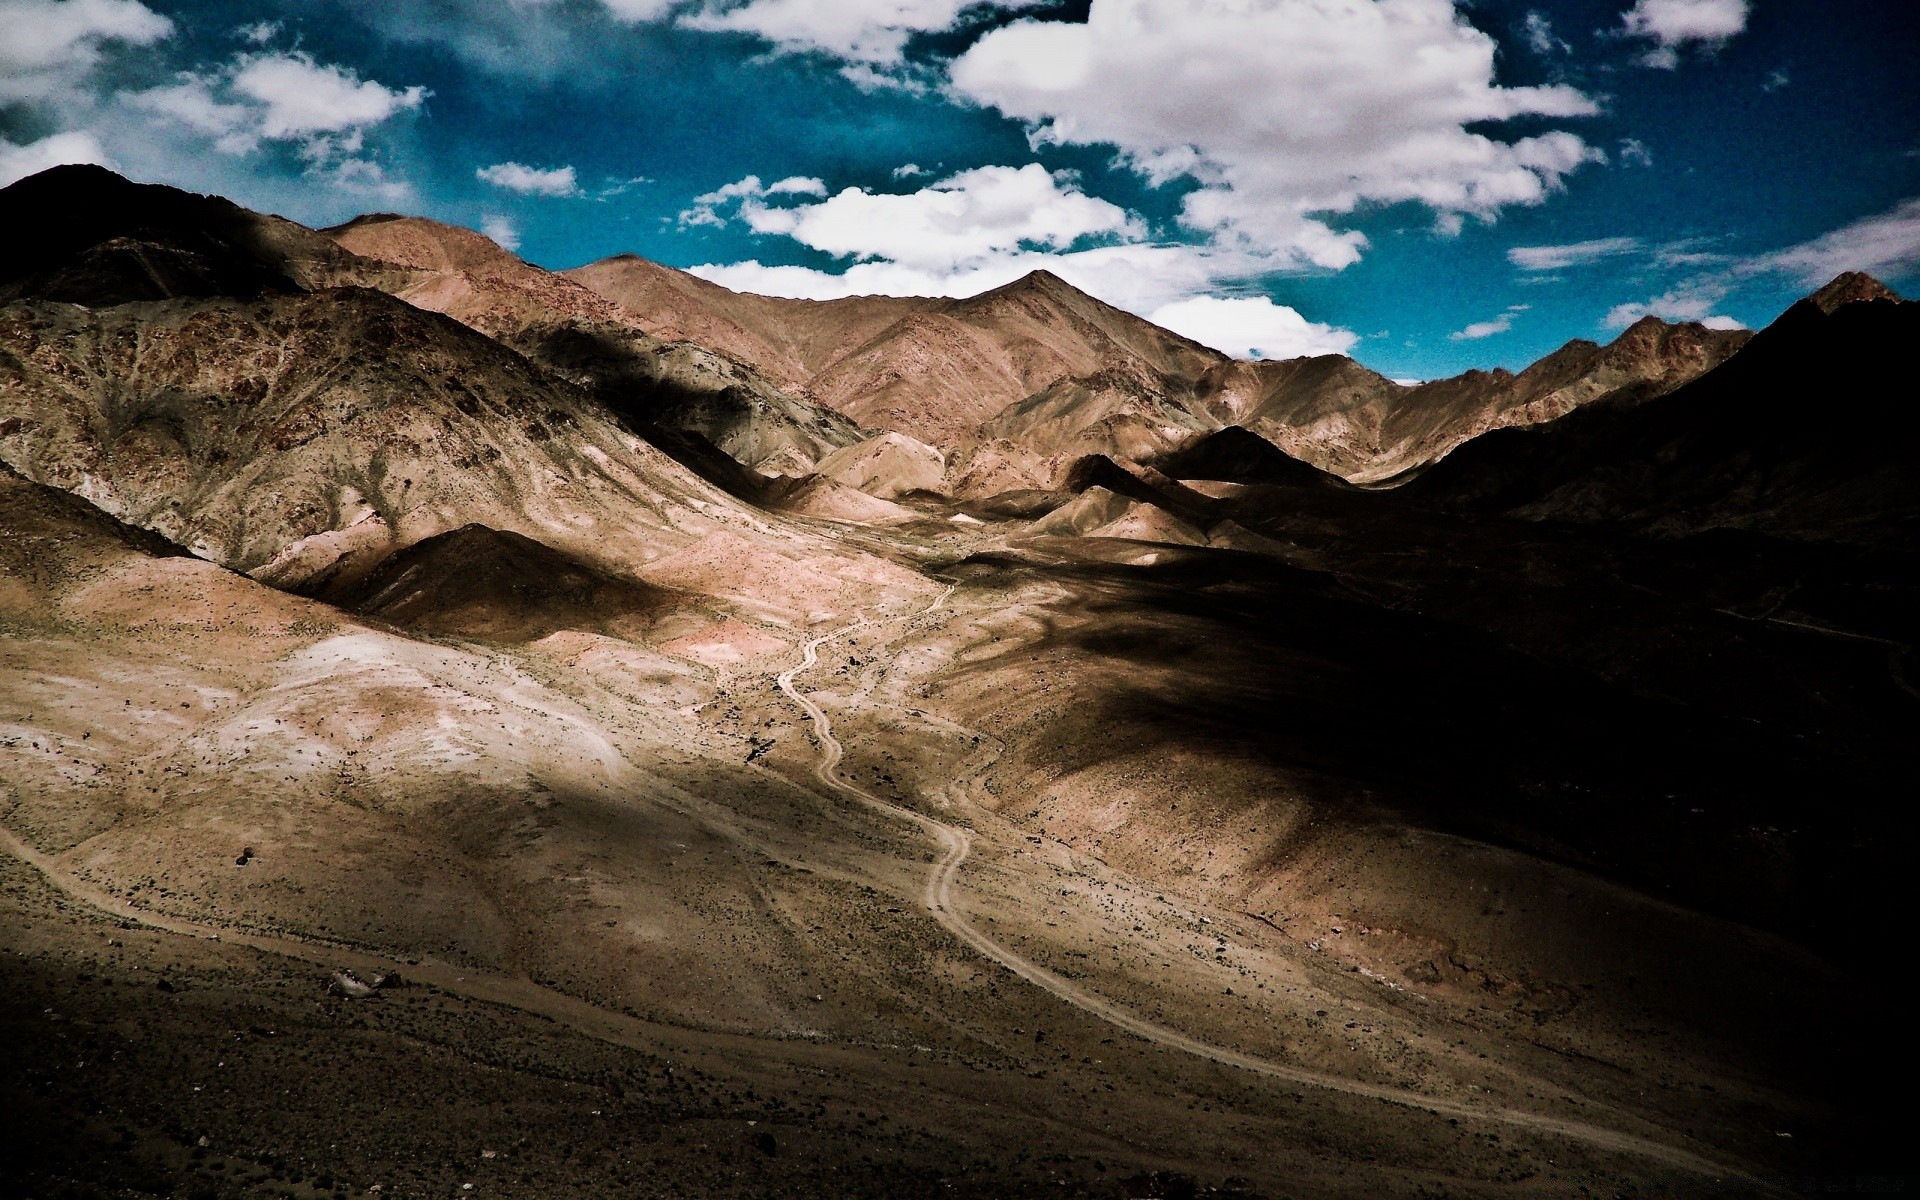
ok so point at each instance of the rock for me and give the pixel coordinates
(343, 983)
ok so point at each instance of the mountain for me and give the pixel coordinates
(99, 239)
(1107, 835)
(931, 368)
(1805, 433)
(1238, 455)
(303, 435)
(1343, 418)
(497, 586)
(675, 385)
(1015, 383)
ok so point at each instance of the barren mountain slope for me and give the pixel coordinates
(789, 341)
(930, 368)
(950, 372)
(301, 438)
(677, 385)
(1749, 445)
(212, 749)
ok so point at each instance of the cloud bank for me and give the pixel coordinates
(1284, 113)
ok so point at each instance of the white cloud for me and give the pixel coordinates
(192, 102)
(501, 230)
(705, 210)
(873, 33)
(17, 162)
(531, 181)
(1571, 254)
(49, 44)
(322, 112)
(1487, 329)
(1634, 153)
(1775, 80)
(1252, 327)
(259, 33)
(1886, 244)
(637, 12)
(957, 223)
(1693, 300)
(1542, 38)
(1285, 112)
(1139, 277)
(1672, 25)
(299, 96)
(910, 171)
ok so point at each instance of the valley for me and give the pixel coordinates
(990, 747)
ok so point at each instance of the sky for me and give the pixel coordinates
(1427, 185)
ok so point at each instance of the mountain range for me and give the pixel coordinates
(598, 733)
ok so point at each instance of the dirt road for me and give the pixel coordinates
(955, 843)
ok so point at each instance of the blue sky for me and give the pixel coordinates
(1428, 185)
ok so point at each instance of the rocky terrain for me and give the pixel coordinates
(1015, 383)
(467, 730)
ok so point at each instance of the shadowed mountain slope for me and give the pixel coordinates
(1805, 433)
(1338, 415)
(496, 585)
(98, 239)
(1238, 455)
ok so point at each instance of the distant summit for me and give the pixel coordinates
(1852, 287)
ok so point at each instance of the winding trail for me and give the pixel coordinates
(955, 843)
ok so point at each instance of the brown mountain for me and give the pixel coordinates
(677, 385)
(1017, 382)
(303, 435)
(934, 369)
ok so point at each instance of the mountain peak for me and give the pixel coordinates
(1041, 282)
(1850, 287)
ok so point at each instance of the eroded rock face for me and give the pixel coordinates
(240, 427)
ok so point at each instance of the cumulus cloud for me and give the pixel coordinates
(1285, 112)
(1570, 254)
(1487, 329)
(1672, 25)
(957, 223)
(17, 161)
(530, 181)
(49, 45)
(298, 96)
(749, 194)
(1251, 327)
(871, 33)
(321, 112)
(987, 227)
